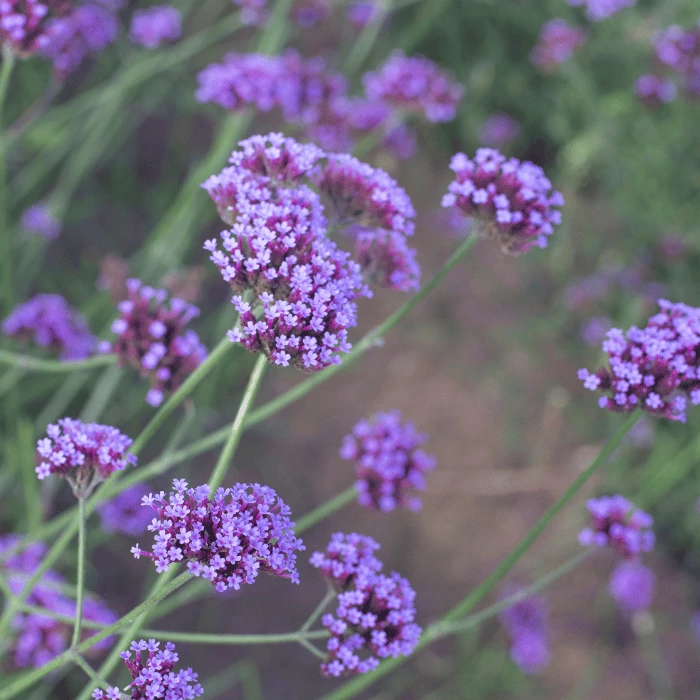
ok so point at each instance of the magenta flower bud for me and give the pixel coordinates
(26, 25)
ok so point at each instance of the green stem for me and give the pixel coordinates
(37, 364)
(330, 595)
(80, 582)
(8, 62)
(226, 455)
(364, 43)
(325, 509)
(233, 639)
(90, 671)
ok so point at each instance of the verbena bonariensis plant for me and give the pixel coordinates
(310, 229)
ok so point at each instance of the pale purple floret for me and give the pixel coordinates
(632, 586)
(26, 25)
(360, 13)
(385, 258)
(155, 26)
(416, 84)
(374, 618)
(36, 638)
(597, 10)
(51, 322)
(499, 129)
(526, 622)
(557, 43)
(124, 513)
(512, 201)
(654, 90)
(227, 539)
(39, 220)
(389, 464)
(619, 525)
(154, 676)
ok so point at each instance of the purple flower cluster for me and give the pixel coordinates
(512, 201)
(39, 220)
(253, 12)
(51, 322)
(308, 13)
(415, 83)
(83, 453)
(526, 624)
(597, 10)
(155, 26)
(499, 129)
(557, 43)
(26, 25)
(124, 513)
(619, 525)
(151, 337)
(360, 13)
(678, 50)
(37, 638)
(374, 618)
(647, 368)
(388, 461)
(654, 90)
(632, 586)
(156, 676)
(385, 258)
(241, 532)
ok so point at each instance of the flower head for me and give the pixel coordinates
(385, 258)
(526, 624)
(653, 90)
(597, 10)
(124, 513)
(39, 220)
(388, 461)
(632, 586)
(347, 558)
(678, 49)
(619, 525)
(151, 337)
(499, 129)
(557, 44)
(512, 201)
(155, 26)
(228, 539)
(26, 25)
(360, 13)
(51, 322)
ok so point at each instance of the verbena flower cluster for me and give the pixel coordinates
(37, 638)
(374, 618)
(651, 368)
(124, 513)
(619, 525)
(151, 337)
(557, 43)
(654, 90)
(597, 10)
(227, 539)
(512, 201)
(526, 622)
(25, 25)
(50, 322)
(678, 50)
(155, 26)
(38, 220)
(388, 461)
(154, 675)
(632, 586)
(499, 129)
(360, 13)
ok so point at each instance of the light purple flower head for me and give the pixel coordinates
(597, 10)
(347, 558)
(653, 369)
(154, 676)
(124, 513)
(619, 525)
(360, 13)
(151, 337)
(389, 464)
(557, 43)
(253, 12)
(512, 201)
(416, 84)
(26, 25)
(654, 90)
(229, 539)
(385, 258)
(499, 129)
(155, 26)
(51, 322)
(82, 453)
(39, 220)
(678, 49)
(526, 622)
(632, 586)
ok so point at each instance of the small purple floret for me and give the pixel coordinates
(557, 43)
(526, 623)
(632, 586)
(155, 26)
(39, 220)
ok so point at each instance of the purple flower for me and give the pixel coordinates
(678, 49)
(594, 329)
(124, 513)
(652, 368)
(619, 525)
(241, 532)
(597, 10)
(386, 259)
(308, 13)
(499, 129)
(557, 44)
(26, 25)
(253, 12)
(512, 201)
(632, 586)
(155, 26)
(526, 624)
(360, 13)
(51, 322)
(83, 453)
(400, 142)
(695, 626)
(151, 337)
(388, 461)
(653, 90)
(37, 638)
(417, 84)
(38, 219)
(346, 559)
(155, 676)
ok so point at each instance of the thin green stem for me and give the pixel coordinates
(90, 671)
(80, 578)
(368, 37)
(37, 364)
(310, 647)
(330, 594)
(8, 62)
(325, 509)
(233, 639)
(226, 455)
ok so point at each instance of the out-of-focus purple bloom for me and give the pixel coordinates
(499, 130)
(83, 453)
(678, 49)
(386, 259)
(417, 84)
(619, 525)
(308, 13)
(512, 201)
(229, 539)
(51, 322)
(594, 329)
(632, 586)
(27, 25)
(597, 10)
(375, 615)
(151, 337)
(557, 43)
(526, 624)
(360, 13)
(652, 368)
(400, 142)
(673, 246)
(156, 676)
(695, 626)
(388, 461)
(653, 90)
(253, 12)
(155, 26)
(37, 638)
(124, 513)
(39, 220)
